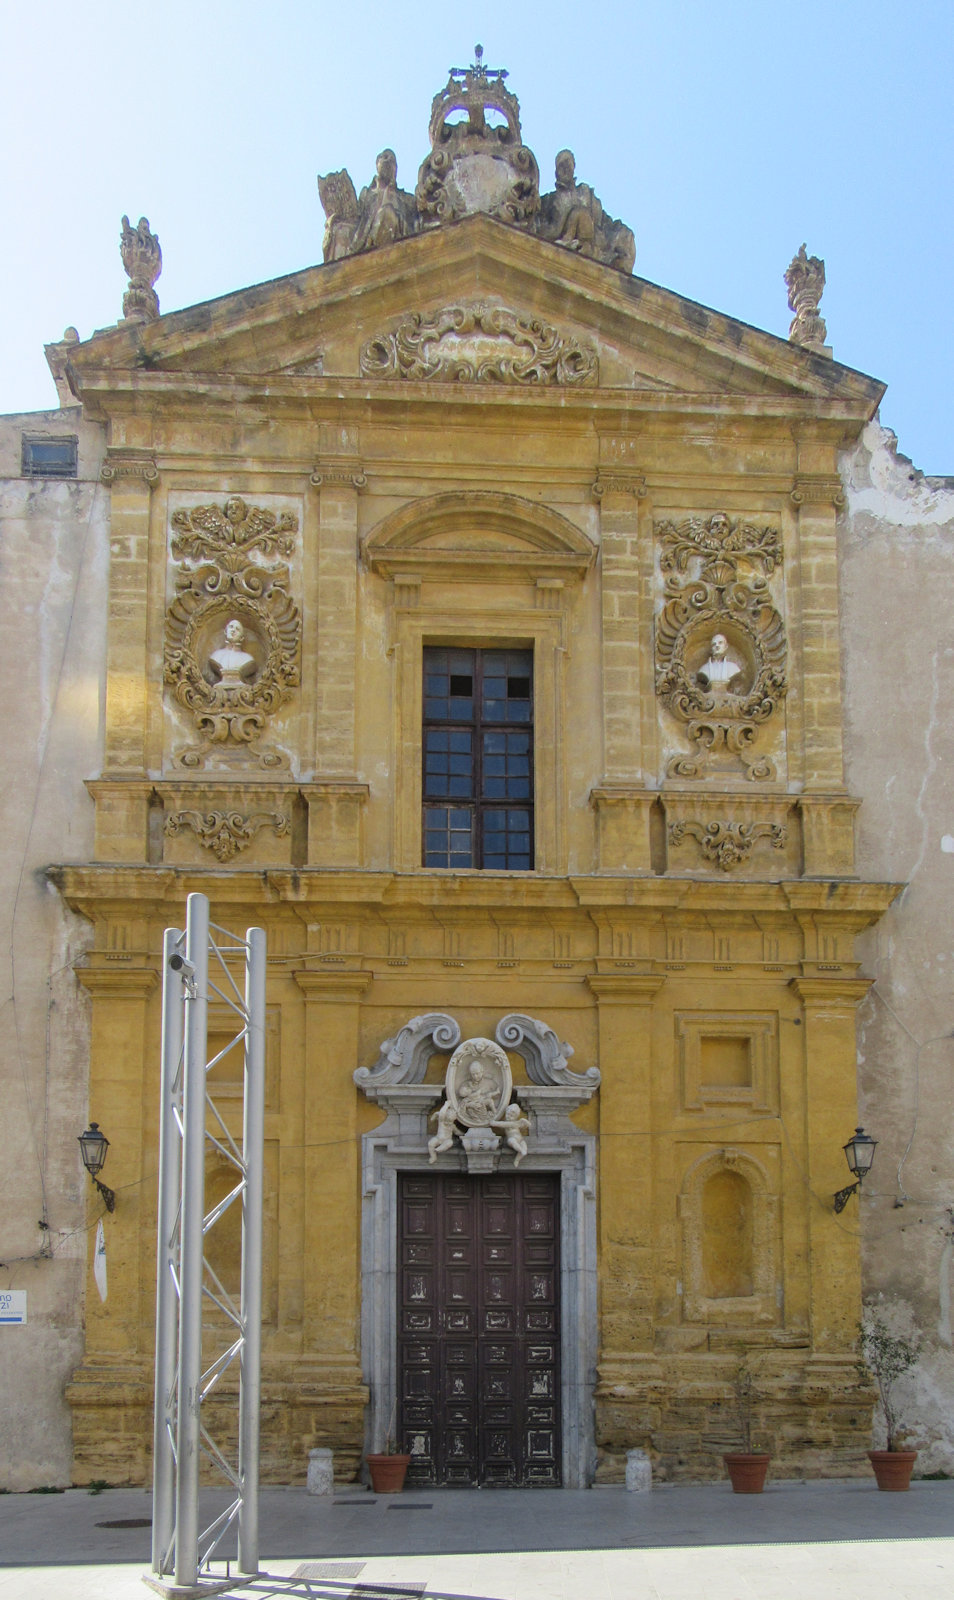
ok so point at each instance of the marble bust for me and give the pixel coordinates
(231, 664)
(718, 672)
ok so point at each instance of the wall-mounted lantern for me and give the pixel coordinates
(93, 1147)
(859, 1154)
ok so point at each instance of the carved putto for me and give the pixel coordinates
(478, 344)
(477, 1108)
(142, 261)
(232, 630)
(805, 280)
(478, 162)
(720, 641)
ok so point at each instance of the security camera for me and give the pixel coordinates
(180, 964)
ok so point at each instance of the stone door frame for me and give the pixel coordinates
(400, 1145)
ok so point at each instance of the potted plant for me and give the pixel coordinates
(746, 1467)
(887, 1355)
(388, 1468)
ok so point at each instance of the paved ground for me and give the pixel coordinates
(797, 1541)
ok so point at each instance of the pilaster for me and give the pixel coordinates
(831, 1112)
(120, 1041)
(625, 1008)
(329, 1133)
(619, 494)
(131, 479)
(338, 480)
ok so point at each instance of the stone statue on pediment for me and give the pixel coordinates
(571, 215)
(381, 214)
(340, 205)
(385, 212)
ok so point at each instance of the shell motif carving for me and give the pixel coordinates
(233, 632)
(478, 344)
(721, 650)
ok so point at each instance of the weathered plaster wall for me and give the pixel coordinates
(898, 580)
(53, 571)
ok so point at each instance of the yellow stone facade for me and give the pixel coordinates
(690, 922)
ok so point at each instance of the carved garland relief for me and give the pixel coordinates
(721, 651)
(478, 344)
(233, 632)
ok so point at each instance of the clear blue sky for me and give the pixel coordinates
(725, 134)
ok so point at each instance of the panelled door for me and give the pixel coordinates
(479, 1329)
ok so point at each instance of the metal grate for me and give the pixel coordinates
(388, 1591)
(329, 1569)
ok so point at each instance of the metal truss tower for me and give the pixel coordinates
(192, 1304)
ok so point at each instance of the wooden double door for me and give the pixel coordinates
(479, 1329)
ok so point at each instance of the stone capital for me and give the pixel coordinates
(830, 994)
(135, 464)
(339, 474)
(625, 989)
(118, 982)
(608, 483)
(347, 987)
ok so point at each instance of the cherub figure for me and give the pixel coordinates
(515, 1127)
(443, 1139)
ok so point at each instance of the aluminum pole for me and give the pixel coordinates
(167, 1305)
(253, 1155)
(190, 1239)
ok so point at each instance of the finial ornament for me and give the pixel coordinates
(805, 280)
(142, 260)
(477, 70)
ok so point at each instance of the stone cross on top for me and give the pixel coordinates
(477, 70)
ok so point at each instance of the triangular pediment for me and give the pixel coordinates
(473, 302)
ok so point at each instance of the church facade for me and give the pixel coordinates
(473, 624)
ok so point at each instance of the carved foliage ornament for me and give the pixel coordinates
(478, 344)
(225, 833)
(727, 844)
(718, 605)
(232, 631)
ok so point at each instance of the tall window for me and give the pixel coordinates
(478, 758)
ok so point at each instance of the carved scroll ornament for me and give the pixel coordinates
(232, 631)
(226, 833)
(478, 344)
(721, 650)
(727, 844)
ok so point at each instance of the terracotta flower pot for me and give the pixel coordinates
(747, 1472)
(892, 1468)
(387, 1472)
